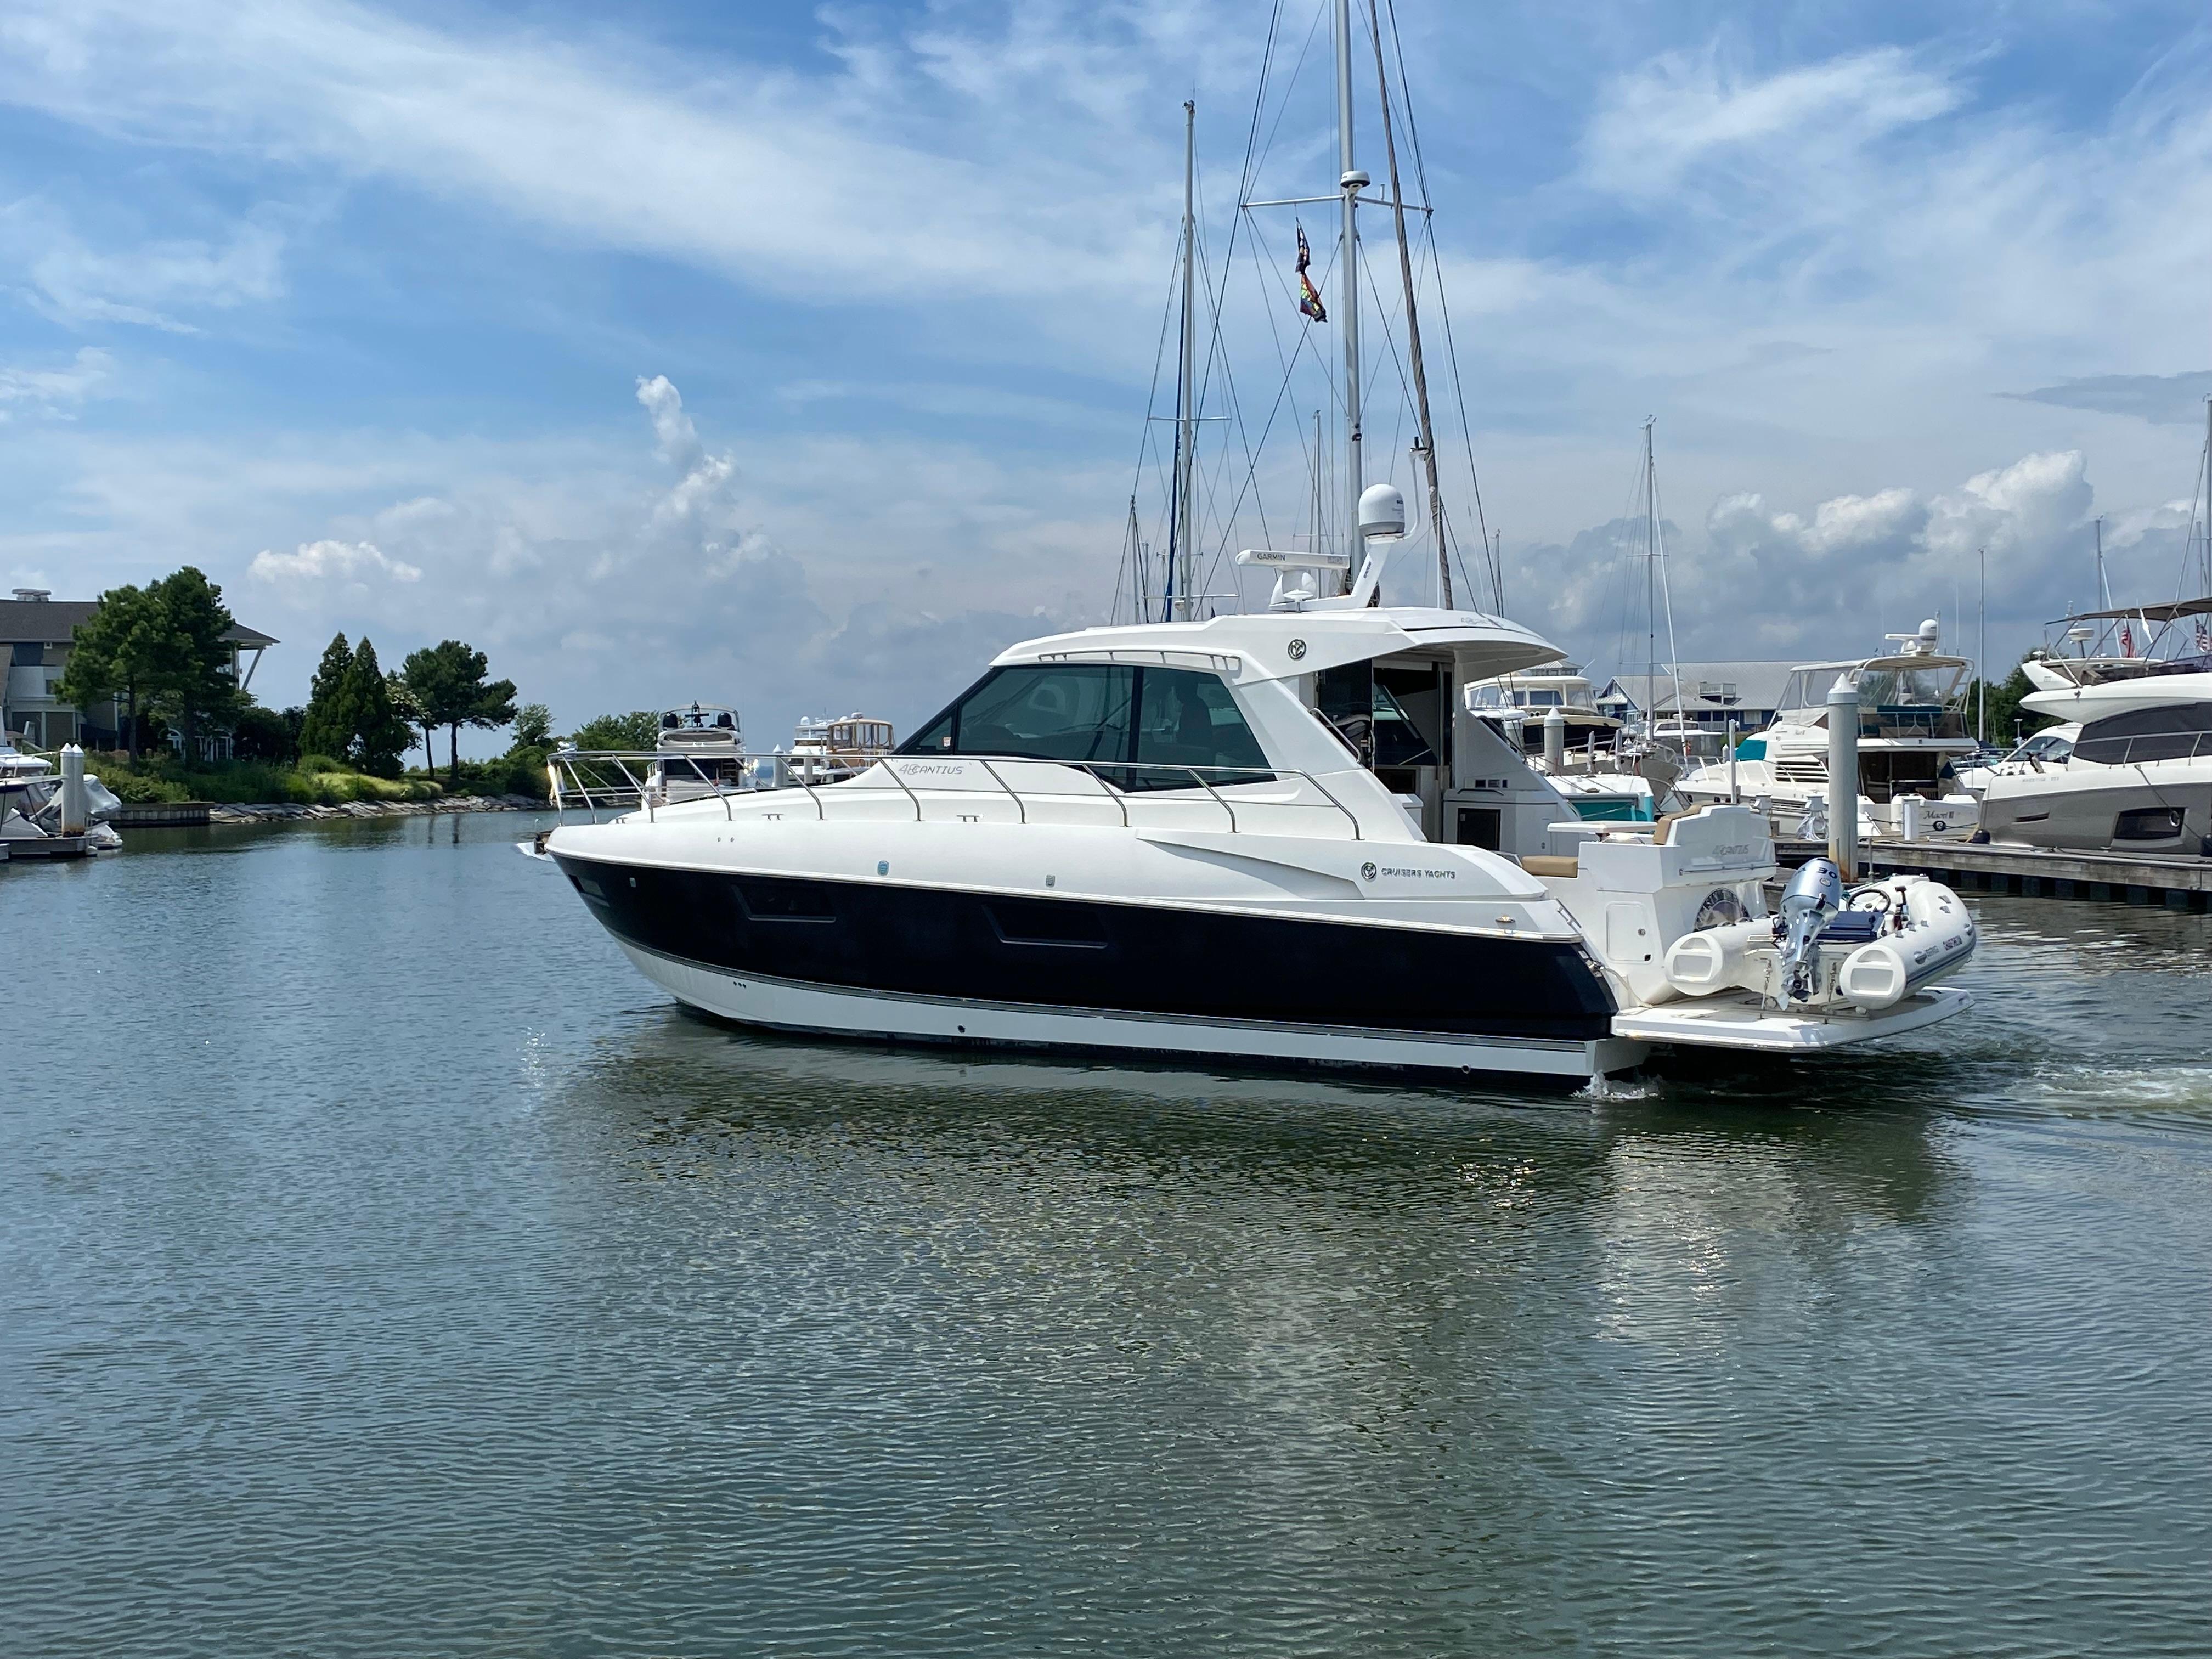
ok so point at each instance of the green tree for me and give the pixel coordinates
(381, 734)
(640, 729)
(112, 657)
(409, 707)
(267, 734)
(448, 680)
(2006, 718)
(192, 681)
(330, 723)
(533, 726)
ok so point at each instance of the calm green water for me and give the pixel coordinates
(385, 1269)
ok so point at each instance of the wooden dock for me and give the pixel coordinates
(45, 847)
(2179, 884)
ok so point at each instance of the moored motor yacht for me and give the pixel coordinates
(2052, 747)
(1550, 712)
(31, 804)
(830, 750)
(1911, 735)
(1168, 838)
(700, 749)
(2138, 779)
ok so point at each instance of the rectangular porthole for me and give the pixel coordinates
(787, 901)
(2149, 823)
(1065, 927)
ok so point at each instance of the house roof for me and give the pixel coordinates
(50, 621)
(55, 621)
(1709, 687)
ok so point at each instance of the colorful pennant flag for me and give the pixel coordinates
(1309, 295)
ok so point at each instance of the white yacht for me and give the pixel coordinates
(2114, 668)
(1910, 738)
(1159, 838)
(2137, 780)
(2052, 746)
(31, 802)
(1551, 713)
(830, 750)
(700, 747)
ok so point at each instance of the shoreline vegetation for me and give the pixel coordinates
(189, 733)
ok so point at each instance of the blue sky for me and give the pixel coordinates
(798, 358)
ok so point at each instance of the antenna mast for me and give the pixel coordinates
(1185, 552)
(1350, 181)
(1426, 445)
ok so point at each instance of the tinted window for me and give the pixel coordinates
(787, 901)
(1071, 711)
(2168, 733)
(1189, 718)
(1083, 712)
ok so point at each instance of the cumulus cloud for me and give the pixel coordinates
(326, 561)
(658, 580)
(1755, 581)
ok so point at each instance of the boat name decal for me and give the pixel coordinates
(1370, 872)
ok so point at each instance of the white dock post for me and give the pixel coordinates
(76, 801)
(1844, 778)
(1555, 742)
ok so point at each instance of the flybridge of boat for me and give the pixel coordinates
(1282, 645)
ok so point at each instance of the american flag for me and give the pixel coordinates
(1309, 295)
(2127, 642)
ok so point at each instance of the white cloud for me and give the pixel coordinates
(142, 284)
(326, 561)
(1687, 109)
(795, 183)
(1754, 581)
(56, 390)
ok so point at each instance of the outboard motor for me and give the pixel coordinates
(1810, 902)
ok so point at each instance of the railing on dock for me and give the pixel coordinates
(626, 781)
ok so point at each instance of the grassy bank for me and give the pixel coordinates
(314, 782)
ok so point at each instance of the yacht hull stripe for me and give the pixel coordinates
(767, 1003)
(1058, 954)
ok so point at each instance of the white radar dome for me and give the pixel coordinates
(1381, 511)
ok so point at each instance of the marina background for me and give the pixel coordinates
(411, 1275)
(1898, 285)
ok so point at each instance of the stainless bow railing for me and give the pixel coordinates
(603, 780)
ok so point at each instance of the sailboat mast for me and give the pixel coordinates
(1427, 445)
(1186, 547)
(1320, 473)
(2103, 587)
(1350, 181)
(1650, 582)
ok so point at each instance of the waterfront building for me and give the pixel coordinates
(37, 632)
(1709, 694)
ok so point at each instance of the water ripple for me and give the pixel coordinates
(388, 1271)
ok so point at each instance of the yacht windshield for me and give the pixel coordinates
(1808, 687)
(1168, 718)
(1904, 687)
